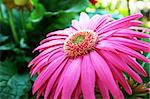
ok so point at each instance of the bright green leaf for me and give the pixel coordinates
(23, 44)
(38, 13)
(35, 2)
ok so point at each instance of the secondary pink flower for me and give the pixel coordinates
(93, 52)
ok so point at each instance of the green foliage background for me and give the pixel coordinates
(31, 27)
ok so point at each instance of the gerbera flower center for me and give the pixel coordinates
(79, 39)
(80, 42)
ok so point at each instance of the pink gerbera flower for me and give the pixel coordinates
(93, 52)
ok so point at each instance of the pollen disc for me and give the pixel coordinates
(80, 43)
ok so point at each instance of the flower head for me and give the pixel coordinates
(20, 4)
(93, 52)
(80, 42)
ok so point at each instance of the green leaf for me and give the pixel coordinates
(8, 46)
(35, 2)
(3, 38)
(71, 6)
(79, 6)
(63, 20)
(13, 85)
(147, 69)
(67, 5)
(20, 84)
(23, 44)
(146, 40)
(38, 13)
(7, 68)
(33, 78)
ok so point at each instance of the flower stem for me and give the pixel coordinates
(23, 23)
(11, 22)
(1, 13)
(128, 6)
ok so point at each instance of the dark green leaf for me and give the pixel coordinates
(19, 84)
(7, 47)
(8, 68)
(63, 20)
(147, 69)
(13, 85)
(3, 38)
(78, 6)
(67, 5)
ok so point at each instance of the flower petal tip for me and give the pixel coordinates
(83, 13)
(138, 15)
(129, 92)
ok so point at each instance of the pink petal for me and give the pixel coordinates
(121, 79)
(124, 25)
(70, 30)
(36, 60)
(87, 78)
(77, 92)
(53, 38)
(104, 46)
(83, 20)
(36, 67)
(46, 73)
(118, 23)
(49, 44)
(132, 33)
(60, 83)
(133, 45)
(118, 62)
(124, 49)
(93, 23)
(53, 79)
(98, 21)
(132, 42)
(58, 32)
(104, 20)
(108, 34)
(40, 91)
(46, 61)
(44, 54)
(140, 28)
(103, 88)
(76, 25)
(104, 73)
(71, 78)
(135, 65)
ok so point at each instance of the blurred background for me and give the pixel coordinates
(24, 23)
